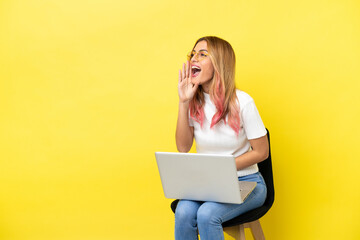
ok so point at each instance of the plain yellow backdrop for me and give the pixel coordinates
(88, 93)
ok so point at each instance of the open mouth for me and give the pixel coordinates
(195, 71)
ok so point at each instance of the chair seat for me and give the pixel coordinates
(250, 216)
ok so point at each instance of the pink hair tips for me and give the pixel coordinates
(234, 117)
(197, 113)
(218, 97)
(219, 100)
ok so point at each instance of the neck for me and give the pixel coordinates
(206, 87)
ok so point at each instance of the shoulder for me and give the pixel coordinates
(243, 97)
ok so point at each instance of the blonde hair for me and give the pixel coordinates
(222, 88)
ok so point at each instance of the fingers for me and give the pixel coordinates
(184, 72)
(189, 71)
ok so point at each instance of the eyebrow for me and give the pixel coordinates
(200, 50)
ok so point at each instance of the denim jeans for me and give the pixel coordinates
(207, 217)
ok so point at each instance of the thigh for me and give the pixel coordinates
(222, 212)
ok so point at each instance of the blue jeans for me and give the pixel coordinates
(207, 217)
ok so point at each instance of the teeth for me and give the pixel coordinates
(195, 67)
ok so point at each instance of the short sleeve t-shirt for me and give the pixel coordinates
(222, 139)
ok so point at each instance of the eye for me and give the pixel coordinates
(203, 55)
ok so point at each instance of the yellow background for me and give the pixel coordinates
(88, 93)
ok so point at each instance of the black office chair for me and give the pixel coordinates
(236, 226)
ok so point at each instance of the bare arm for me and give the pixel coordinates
(185, 133)
(260, 151)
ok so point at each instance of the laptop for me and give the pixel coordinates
(201, 177)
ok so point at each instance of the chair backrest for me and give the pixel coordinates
(265, 167)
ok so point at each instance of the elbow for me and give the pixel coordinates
(265, 155)
(183, 149)
(183, 145)
(262, 155)
(265, 152)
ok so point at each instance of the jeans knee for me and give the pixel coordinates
(205, 217)
(184, 215)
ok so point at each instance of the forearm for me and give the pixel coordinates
(259, 152)
(248, 159)
(184, 133)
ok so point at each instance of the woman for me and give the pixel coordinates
(223, 120)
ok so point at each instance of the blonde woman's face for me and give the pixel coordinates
(202, 69)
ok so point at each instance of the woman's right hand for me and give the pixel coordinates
(186, 88)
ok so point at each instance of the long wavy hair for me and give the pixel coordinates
(222, 88)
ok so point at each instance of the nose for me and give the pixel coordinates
(194, 58)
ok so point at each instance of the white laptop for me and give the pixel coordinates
(202, 177)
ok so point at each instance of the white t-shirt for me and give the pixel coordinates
(222, 139)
